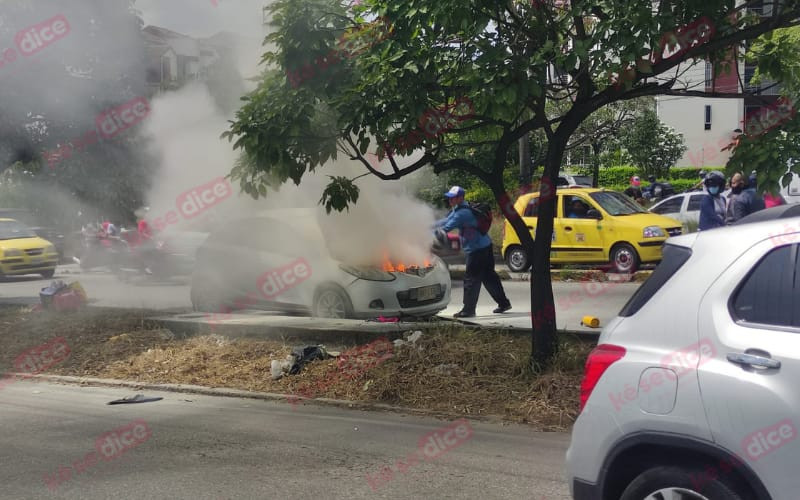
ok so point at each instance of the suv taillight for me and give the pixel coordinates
(598, 361)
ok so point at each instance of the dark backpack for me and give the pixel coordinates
(483, 215)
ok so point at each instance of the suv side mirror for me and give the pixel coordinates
(593, 214)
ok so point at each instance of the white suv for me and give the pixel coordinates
(693, 391)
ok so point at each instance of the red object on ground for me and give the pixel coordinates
(383, 319)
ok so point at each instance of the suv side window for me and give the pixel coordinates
(671, 206)
(770, 294)
(532, 209)
(695, 202)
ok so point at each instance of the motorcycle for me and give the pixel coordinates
(101, 250)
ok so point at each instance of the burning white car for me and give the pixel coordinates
(266, 263)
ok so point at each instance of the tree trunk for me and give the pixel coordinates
(525, 167)
(543, 317)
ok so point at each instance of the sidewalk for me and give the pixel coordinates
(457, 273)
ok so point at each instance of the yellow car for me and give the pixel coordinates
(22, 252)
(593, 226)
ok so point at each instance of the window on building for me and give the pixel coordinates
(709, 75)
(708, 117)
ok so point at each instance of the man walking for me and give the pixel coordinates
(478, 250)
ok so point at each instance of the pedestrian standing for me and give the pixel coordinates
(748, 201)
(480, 258)
(737, 186)
(712, 207)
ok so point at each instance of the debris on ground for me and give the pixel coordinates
(409, 340)
(306, 354)
(60, 296)
(139, 398)
(447, 369)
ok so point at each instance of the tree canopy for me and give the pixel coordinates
(346, 80)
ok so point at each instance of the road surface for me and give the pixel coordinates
(189, 447)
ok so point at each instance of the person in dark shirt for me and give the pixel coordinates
(712, 207)
(748, 201)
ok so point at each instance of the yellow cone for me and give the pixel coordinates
(591, 322)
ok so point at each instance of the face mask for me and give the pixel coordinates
(713, 190)
(736, 190)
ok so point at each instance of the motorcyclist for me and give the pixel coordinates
(712, 207)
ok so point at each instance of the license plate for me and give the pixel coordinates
(427, 292)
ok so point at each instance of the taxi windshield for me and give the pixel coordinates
(11, 229)
(616, 204)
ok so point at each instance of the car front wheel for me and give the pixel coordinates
(517, 259)
(624, 258)
(332, 302)
(683, 483)
(48, 274)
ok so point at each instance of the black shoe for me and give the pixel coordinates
(502, 309)
(462, 314)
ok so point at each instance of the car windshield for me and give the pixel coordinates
(616, 204)
(11, 229)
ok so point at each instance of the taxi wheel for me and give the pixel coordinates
(517, 259)
(624, 258)
(48, 274)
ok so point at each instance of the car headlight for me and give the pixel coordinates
(367, 273)
(653, 232)
(12, 252)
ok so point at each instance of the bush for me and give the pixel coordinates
(680, 185)
(617, 175)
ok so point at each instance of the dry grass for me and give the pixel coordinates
(450, 371)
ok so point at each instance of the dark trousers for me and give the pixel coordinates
(480, 270)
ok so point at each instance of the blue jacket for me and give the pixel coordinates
(709, 217)
(461, 217)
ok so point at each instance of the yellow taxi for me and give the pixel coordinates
(593, 226)
(22, 252)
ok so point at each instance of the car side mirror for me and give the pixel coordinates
(593, 214)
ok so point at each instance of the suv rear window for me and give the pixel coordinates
(673, 258)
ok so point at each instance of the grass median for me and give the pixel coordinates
(449, 371)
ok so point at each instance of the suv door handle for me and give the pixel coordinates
(567, 228)
(531, 227)
(754, 361)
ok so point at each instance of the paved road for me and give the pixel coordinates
(215, 448)
(573, 300)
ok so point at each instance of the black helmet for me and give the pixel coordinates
(651, 178)
(703, 174)
(715, 178)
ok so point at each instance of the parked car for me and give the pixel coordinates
(611, 229)
(51, 234)
(692, 392)
(272, 265)
(23, 252)
(684, 207)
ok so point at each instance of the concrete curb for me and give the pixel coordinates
(314, 330)
(263, 396)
